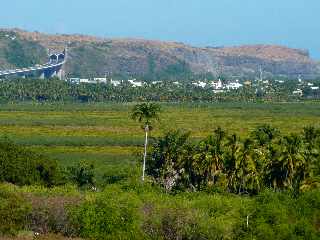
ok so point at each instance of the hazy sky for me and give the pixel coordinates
(293, 23)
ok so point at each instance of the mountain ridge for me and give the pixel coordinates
(162, 59)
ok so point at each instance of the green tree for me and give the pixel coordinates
(145, 113)
(171, 164)
(293, 161)
(230, 161)
(247, 173)
(209, 156)
(82, 174)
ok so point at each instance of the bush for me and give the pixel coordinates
(23, 167)
(279, 215)
(13, 212)
(82, 174)
(171, 223)
(50, 214)
(112, 214)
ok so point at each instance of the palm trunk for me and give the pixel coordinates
(145, 152)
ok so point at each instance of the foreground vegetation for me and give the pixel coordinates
(133, 211)
(84, 172)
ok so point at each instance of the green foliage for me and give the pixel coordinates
(221, 164)
(112, 214)
(21, 53)
(94, 58)
(264, 160)
(53, 90)
(136, 211)
(146, 112)
(82, 174)
(169, 159)
(177, 71)
(13, 212)
(275, 218)
(23, 167)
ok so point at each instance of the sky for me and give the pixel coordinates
(292, 23)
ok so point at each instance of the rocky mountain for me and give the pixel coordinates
(92, 56)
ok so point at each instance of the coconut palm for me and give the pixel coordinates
(209, 156)
(264, 134)
(230, 161)
(145, 113)
(292, 159)
(246, 166)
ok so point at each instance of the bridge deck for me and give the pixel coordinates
(42, 67)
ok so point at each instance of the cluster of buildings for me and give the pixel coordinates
(105, 80)
(303, 85)
(87, 80)
(217, 86)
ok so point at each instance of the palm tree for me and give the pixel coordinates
(232, 151)
(145, 113)
(264, 134)
(209, 156)
(246, 167)
(292, 160)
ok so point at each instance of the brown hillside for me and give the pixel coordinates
(90, 55)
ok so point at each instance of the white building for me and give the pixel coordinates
(156, 82)
(233, 85)
(115, 82)
(217, 85)
(84, 80)
(134, 83)
(74, 80)
(100, 80)
(200, 84)
(297, 92)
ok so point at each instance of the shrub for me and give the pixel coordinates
(13, 212)
(171, 223)
(50, 214)
(23, 167)
(112, 214)
(82, 174)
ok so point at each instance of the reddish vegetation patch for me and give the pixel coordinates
(50, 214)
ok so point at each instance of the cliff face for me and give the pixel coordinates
(91, 56)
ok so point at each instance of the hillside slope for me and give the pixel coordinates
(92, 56)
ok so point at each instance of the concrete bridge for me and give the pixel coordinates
(53, 68)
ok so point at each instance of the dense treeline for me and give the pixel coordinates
(59, 91)
(265, 159)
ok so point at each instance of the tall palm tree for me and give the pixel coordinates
(145, 113)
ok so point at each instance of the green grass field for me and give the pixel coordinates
(105, 135)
